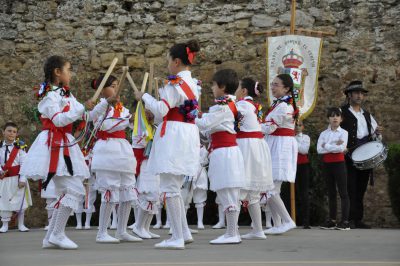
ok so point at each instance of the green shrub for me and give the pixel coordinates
(392, 165)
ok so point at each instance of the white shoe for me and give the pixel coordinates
(87, 227)
(23, 228)
(189, 240)
(4, 228)
(47, 245)
(171, 244)
(254, 236)
(157, 226)
(153, 236)
(113, 227)
(281, 229)
(219, 226)
(192, 231)
(131, 226)
(166, 226)
(226, 240)
(62, 241)
(125, 237)
(46, 228)
(200, 226)
(78, 227)
(141, 233)
(106, 238)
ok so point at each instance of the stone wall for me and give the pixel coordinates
(91, 32)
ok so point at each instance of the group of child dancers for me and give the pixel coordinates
(248, 156)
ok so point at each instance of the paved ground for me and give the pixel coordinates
(298, 247)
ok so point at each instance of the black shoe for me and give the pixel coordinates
(306, 227)
(361, 225)
(329, 225)
(343, 226)
(352, 225)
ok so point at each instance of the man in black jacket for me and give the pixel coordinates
(362, 128)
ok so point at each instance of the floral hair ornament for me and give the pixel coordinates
(256, 91)
(191, 55)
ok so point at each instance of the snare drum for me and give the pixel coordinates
(369, 155)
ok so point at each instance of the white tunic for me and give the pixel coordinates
(226, 167)
(256, 154)
(283, 149)
(13, 198)
(146, 182)
(330, 138)
(177, 152)
(36, 165)
(303, 143)
(201, 181)
(112, 154)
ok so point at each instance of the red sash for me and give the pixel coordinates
(173, 113)
(250, 135)
(105, 135)
(233, 108)
(8, 168)
(285, 132)
(139, 155)
(333, 157)
(222, 139)
(55, 136)
(302, 158)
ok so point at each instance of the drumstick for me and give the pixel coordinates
(133, 85)
(122, 79)
(151, 77)
(103, 82)
(146, 76)
(157, 89)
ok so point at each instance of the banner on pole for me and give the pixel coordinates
(298, 56)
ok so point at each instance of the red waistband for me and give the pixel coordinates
(47, 124)
(11, 171)
(333, 157)
(139, 156)
(104, 135)
(175, 115)
(302, 158)
(250, 135)
(222, 139)
(285, 132)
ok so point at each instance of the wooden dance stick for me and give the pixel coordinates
(151, 78)
(121, 80)
(103, 82)
(157, 89)
(130, 80)
(146, 77)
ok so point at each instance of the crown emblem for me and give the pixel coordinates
(292, 60)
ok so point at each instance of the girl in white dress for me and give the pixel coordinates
(51, 157)
(280, 136)
(176, 146)
(256, 154)
(113, 163)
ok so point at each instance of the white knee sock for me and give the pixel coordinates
(62, 218)
(200, 213)
(104, 217)
(88, 218)
(158, 216)
(78, 219)
(52, 222)
(185, 226)
(231, 223)
(255, 214)
(278, 207)
(123, 216)
(221, 214)
(175, 214)
(268, 217)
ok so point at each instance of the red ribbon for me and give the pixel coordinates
(191, 55)
(58, 202)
